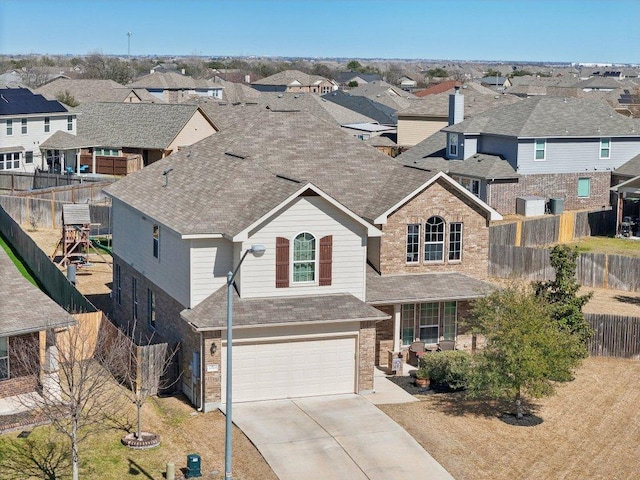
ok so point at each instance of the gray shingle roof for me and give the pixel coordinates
(173, 81)
(428, 287)
(210, 314)
(543, 117)
(437, 105)
(287, 77)
(384, 93)
(93, 90)
(210, 191)
(630, 168)
(138, 125)
(24, 307)
(379, 112)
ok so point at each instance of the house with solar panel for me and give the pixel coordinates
(26, 121)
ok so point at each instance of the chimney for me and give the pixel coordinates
(184, 71)
(456, 107)
(247, 78)
(152, 71)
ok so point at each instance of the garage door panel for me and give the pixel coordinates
(264, 371)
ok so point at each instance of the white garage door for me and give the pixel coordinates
(267, 371)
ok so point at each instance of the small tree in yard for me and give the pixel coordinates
(561, 294)
(79, 394)
(526, 350)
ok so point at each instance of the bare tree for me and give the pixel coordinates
(146, 373)
(78, 392)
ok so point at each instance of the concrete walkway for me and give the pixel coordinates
(386, 392)
(337, 437)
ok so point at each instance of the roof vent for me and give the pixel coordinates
(166, 173)
(417, 168)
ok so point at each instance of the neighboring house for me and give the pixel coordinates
(120, 138)
(496, 83)
(438, 88)
(26, 121)
(295, 81)
(345, 78)
(379, 112)
(546, 147)
(626, 181)
(174, 87)
(426, 116)
(407, 83)
(385, 93)
(90, 90)
(345, 228)
(236, 93)
(27, 317)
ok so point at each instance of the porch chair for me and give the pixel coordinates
(416, 351)
(445, 345)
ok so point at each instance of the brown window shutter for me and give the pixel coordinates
(326, 259)
(282, 262)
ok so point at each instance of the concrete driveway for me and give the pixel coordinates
(337, 437)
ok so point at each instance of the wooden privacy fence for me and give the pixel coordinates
(39, 213)
(594, 269)
(614, 336)
(552, 229)
(54, 282)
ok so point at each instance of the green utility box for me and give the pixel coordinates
(193, 466)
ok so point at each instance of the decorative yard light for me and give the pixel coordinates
(257, 251)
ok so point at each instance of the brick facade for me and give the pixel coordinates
(502, 196)
(20, 380)
(439, 199)
(384, 336)
(366, 356)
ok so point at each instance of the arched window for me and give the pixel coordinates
(304, 258)
(434, 240)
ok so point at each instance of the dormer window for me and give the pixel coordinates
(453, 144)
(541, 149)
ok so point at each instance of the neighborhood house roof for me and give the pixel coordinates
(630, 168)
(21, 101)
(223, 184)
(137, 125)
(25, 308)
(93, 90)
(210, 314)
(291, 78)
(544, 117)
(173, 81)
(380, 112)
(480, 165)
(437, 105)
(62, 140)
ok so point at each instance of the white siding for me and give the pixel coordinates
(317, 216)
(133, 242)
(210, 263)
(507, 147)
(468, 147)
(34, 137)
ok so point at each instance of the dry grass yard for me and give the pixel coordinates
(590, 430)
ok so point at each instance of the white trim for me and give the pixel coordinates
(608, 148)
(535, 150)
(493, 214)
(372, 231)
(201, 236)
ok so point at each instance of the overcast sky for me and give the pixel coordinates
(500, 30)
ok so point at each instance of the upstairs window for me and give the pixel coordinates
(70, 123)
(541, 149)
(47, 124)
(413, 243)
(151, 309)
(453, 144)
(434, 240)
(156, 241)
(23, 123)
(605, 148)
(9, 127)
(455, 242)
(304, 258)
(470, 184)
(106, 152)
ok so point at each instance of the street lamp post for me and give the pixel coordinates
(257, 251)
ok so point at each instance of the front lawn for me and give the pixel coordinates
(182, 430)
(589, 430)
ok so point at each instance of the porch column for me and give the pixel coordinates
(77, 160)
(397, 341)
(93, 161)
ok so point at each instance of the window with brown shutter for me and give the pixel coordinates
(282, 262)
(326, 259)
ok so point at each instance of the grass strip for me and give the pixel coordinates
(18, 262)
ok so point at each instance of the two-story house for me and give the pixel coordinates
(563, 148)
(295, 81)
(26, 121)
(346, 229)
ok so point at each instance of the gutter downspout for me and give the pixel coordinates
(201, 375)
